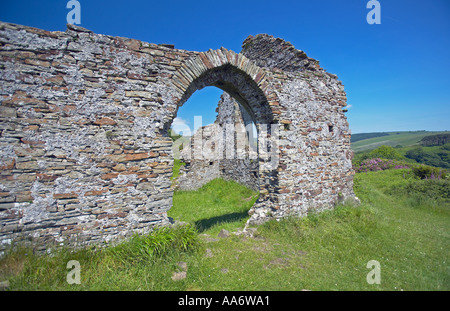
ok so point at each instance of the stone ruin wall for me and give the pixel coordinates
(85, 155)
(200, 167)
(244, 167)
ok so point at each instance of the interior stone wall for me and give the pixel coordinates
(231, 131)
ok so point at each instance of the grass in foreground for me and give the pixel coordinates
(141, 263)
(403, 223)
(217, 205)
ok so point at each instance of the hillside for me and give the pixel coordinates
(388, 138)
(362, 136)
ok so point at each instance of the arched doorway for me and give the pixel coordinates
(246, 83)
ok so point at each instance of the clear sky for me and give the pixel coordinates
(396, 74)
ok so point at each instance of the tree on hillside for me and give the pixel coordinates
(385, 152)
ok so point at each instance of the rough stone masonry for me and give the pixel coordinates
(85, 155)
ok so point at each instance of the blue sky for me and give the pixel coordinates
(396, 74)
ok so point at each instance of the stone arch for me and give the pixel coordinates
(231, 72)
(249, 84)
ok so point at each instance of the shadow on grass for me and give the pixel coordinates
(207, 223)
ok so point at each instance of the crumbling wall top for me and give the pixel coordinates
(270, 52)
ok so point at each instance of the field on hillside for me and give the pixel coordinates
(435, 155)
(403, 223)
(392, 139)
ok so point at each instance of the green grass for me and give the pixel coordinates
(403, 223)
(141, 263)
(217, 205)
(177, 164)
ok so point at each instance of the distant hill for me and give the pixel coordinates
(369, 141)
(362, 136)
